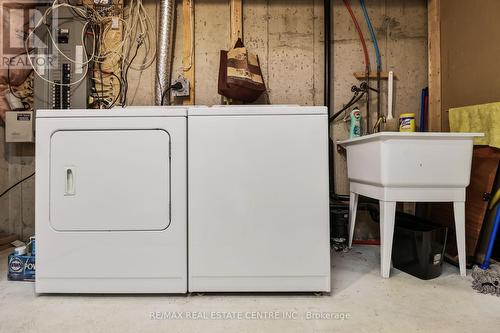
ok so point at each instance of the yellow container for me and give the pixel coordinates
(407, 122)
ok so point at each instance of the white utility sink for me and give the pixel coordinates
(409, 167)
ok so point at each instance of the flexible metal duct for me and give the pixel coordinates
(164, 50)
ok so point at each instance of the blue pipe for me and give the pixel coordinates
(422, 111)
(486, 263)
(377, 54)
(372, 34)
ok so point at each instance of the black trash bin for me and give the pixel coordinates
(418, 246)
(339, 218)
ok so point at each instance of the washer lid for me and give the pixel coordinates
(257, 110)
(133, 111)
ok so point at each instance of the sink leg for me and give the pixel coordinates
(459, 212)
(387, 217)
(353, 207)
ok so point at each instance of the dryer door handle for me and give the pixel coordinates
(70, 181)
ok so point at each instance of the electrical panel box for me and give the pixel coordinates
(61, 61)
(19, 126)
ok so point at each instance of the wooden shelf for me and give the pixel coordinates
(373, 75)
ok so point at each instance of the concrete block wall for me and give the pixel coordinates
(288, 37)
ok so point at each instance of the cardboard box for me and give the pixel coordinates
(21, 267)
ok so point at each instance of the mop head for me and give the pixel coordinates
(486, 281)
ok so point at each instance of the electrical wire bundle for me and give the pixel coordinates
(139, 32)
(107, 85)
(107, 66)
(103, 91)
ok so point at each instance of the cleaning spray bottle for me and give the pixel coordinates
(355, 123)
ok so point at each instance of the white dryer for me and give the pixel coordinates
(111, 201)
(258, 199)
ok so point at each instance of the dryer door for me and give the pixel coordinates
(110, 180)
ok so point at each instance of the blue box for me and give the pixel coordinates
(21, 267)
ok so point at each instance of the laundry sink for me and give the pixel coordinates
(394, 159)
(409, 167)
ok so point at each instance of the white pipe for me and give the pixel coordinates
(390, 95)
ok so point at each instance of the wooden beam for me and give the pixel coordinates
(434, 50)
(236, 20)
(235, 31)
(188, 48)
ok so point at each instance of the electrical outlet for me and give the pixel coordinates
(184, 92)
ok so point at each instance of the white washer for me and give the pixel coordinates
(111, 201)
(258, 199)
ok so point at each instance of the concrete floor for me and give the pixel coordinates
(367, 302)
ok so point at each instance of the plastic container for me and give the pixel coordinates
(355, 123)
(418, 247)
(407, 122)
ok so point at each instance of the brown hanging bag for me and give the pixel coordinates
(240, 76)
